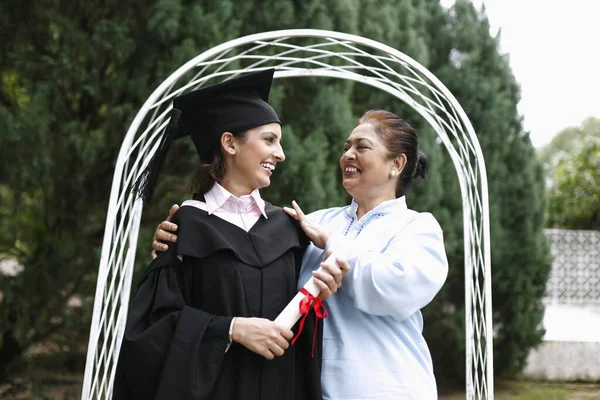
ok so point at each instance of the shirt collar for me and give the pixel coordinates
(217, 197)
(385, 207)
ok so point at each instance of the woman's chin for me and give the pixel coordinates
(349, 186)
(265, 182)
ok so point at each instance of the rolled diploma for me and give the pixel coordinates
(291, 314)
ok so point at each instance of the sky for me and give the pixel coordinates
(554, 51)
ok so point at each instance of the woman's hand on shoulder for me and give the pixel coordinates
(164, 233)
(315, 232)
(262, 336)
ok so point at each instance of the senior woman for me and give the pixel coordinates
(373, 346)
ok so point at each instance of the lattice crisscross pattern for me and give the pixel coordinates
(296, 53)
(575, 275)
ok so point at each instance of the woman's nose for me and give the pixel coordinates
(348, 154)
(279, 154)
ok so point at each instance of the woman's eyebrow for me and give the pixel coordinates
(361, 139)
(271, 133)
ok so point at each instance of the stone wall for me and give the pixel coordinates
(571, 347)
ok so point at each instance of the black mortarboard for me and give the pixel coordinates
(205, 114)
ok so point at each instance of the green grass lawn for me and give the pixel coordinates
(527, 390)
(39, 381)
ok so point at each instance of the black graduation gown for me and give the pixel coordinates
(178, 324)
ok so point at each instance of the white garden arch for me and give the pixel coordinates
(296, 53)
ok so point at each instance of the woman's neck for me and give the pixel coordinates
(235, 188)
(367, 204)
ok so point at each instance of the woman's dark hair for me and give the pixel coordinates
(206, 174)
(398, 137)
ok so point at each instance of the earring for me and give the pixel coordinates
(393, 173)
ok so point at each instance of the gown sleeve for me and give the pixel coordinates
(169, 350)
(401, 279)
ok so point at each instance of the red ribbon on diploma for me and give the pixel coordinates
(304, 308)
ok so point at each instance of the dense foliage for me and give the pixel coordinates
(572, 164)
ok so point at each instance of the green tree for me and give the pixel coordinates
(571, 178)
(574, 192)
(567, 141)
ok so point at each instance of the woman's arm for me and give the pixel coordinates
(164, 334)
(403, 278)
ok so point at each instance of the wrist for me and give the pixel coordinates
(236, 324)
(324, 239)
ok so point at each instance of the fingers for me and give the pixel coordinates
(335, 272)
(326, 290)
(301, 216)
(159, 246)
(286, 333)
(344, 266)
(327, 254)
(153, 254)
(291, 213)
(329, 278)
(266, 353)
(278, 342)
(276, 350)
(280, 336)
(172, 211)
(164, 235)
(283, 343)
(167, 226)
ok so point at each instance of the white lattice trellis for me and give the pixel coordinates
(296, 53)
(575, 275)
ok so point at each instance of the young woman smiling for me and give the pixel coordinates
(200, 325)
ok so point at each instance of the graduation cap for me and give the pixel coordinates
(235, 105)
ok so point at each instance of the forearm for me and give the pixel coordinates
(397, 279)
(383, 286)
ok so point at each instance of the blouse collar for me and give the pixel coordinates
(385, 207)
(219, 197)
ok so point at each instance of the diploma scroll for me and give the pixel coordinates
(291, 313)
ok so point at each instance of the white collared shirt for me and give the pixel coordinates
(242, 211)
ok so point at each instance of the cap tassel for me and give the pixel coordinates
(146, 183)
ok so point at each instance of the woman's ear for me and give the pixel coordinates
(400, 163)
(228, 143)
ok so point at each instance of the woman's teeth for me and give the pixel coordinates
(269, 167)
